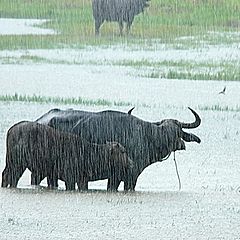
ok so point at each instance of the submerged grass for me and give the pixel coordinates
(186, 70)
(60, 100)
(164, 19)
(143, 62)
(23, 59)
(220, 108)
(100, 102)
(223, 75)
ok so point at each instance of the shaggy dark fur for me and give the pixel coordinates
(145, 142)
(57, 155)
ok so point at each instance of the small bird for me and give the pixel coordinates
(223, 91)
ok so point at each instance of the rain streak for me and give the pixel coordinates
(119, 119)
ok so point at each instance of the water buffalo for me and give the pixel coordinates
(53, 154)
(144, 141)
(117, 11)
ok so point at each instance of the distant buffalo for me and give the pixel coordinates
(117, 11)
(53, 154)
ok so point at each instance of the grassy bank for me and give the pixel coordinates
(164, 19)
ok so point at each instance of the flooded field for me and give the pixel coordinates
(208, 205)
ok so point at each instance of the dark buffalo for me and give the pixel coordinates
(145, 142)
(53, 154)
(117, 11)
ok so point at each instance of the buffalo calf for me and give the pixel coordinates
(47, 152)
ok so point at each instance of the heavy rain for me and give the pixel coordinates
(119, 119)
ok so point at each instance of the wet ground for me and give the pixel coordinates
(32, 214)
(208, 205)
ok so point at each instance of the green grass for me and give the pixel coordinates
(155, 64)
(60, 100)
(220, 108)
(219, 76)
(164, 19)
(98, 102)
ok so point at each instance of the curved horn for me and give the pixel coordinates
(130, 111)
(189, 137)
(194, 124)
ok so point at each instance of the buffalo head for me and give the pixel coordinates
(173, 133)
(177, 125)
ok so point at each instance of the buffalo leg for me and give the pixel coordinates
(129, 24)
(120, 27)
(16, 175)
(97, 26)
(70, 186)
(70, 181)
(5, 177)
(113, 184)
(52, 182)
(130, 183)
(52, 178)
(36, 177)
(82, 183)
(113, 181)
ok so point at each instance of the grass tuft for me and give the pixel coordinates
(225, 75)
(60, 100)
(220, 108)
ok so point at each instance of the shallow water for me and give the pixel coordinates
(208, 205)
(115, 84)
(12, 26)
(96, 215)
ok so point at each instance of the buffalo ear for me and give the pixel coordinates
(130, 111)
(189, 137)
